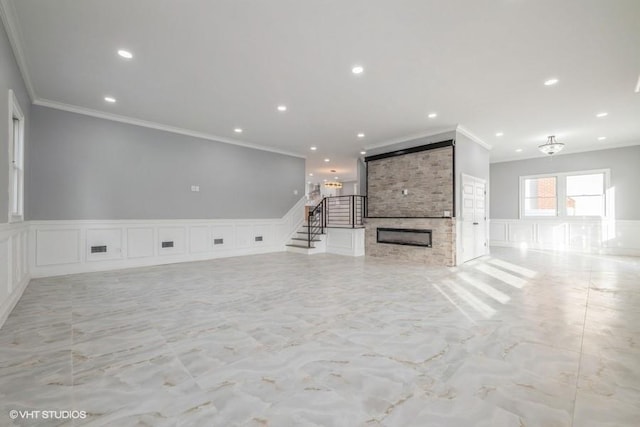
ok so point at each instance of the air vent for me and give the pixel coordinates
(258, 238)
(218, 241)
(98, 249)
(168, 244)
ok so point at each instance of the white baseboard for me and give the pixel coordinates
(9, 304)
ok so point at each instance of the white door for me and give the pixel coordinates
(474, 221)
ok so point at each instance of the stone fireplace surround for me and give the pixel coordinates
(426, 173)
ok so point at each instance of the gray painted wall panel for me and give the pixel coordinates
(471, 159)
(625, 178)
(10, 78)
(89, 168)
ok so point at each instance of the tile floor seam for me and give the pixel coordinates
(584, 325)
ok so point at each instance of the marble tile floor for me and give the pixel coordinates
(519, 338)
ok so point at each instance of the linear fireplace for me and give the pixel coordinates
(404, 236)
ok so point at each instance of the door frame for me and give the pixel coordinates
(486, 219)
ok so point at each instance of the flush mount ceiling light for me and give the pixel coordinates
(361, 135)
(363, 152)
(499, 134)
(551, 82)
(432, 115)
(125, 54)
(601, 115)
(327, 160)
(110, 99)
(282, 108)
(602, 138)
(552, 146)
(358, 69)
(310, 174)
(518, 150)
(237, 130)
(313, 148)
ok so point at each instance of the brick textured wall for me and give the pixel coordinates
(443, 236)
(428, 175)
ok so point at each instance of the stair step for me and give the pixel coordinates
(301, 246)
(306, 233)
(305, 240)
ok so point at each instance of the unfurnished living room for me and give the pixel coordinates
(331, 213)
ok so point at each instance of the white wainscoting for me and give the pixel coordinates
(65, 247)
(616, 237)
(14, 266)
(345, 241)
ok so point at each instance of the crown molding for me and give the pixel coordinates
(473, 137)
(410, 137)
(10, 22)
(538, 155)
(158, 126)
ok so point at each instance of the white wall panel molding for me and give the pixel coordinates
(345, 241)
(616, 237)
(14, 266)
(67, 247)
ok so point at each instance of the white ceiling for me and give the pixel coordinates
(210, 66)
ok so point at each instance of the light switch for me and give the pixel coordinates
(405, 192)
(195, 188)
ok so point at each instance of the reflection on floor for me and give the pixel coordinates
(518, 338)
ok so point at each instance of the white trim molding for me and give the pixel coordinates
(473, 137)
(14, 266)
(602, 236)
(8, 15)
(158, 126)
(67, 247)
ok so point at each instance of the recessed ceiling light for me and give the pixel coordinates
(324, 180)
(282, 108)
(335, 177)
(327, 160)
(603, 114)
(361, 135)
(499, 134)
(313, 148)
(432, 115)
(363, 152)
(550, 82)
(310, 174)
(358, 69)
(237, 130)
(110, 99)
(602, 138)
(519, 150)
(125, 54)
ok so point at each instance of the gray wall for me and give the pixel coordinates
(625, 177)
(362, 176)
(471, 159)
(10, 78)
(84, 167)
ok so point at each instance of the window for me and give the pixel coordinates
(16, 160)
(540, 197)
(569, 194)
(585, 195)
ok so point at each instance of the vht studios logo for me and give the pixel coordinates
(47, 415)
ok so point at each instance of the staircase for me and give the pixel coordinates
(338, 212)
(299, 243)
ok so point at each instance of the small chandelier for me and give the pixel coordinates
(551, 146)
(333, 184)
